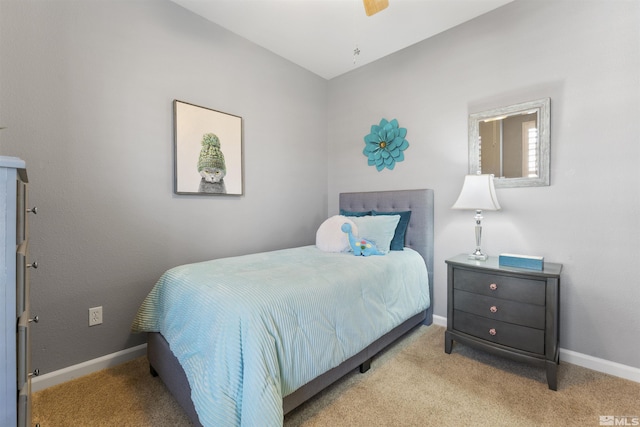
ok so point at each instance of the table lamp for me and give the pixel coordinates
(478, 193)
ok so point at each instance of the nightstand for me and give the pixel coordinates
(511, 312)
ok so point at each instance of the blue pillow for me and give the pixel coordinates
(351, 213)
(397, 244)
(378, 229)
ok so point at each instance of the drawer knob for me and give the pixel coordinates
(33, 210)
(33, 265)
(493, 309)
(492, 331)
(493, 286)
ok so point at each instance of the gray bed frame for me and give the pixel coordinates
(419, 237)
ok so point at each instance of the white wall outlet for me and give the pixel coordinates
(95, 316)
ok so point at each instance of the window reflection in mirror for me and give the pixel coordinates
(509, 145)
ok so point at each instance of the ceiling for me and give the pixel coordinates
(321, 35)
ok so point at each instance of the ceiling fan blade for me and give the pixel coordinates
(374, 6)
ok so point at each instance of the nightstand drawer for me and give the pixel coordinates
(516, 336)
(498, 309)
(499, 286)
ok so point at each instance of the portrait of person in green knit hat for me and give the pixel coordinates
(211, 165)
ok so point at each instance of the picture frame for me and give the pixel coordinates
(207, 151)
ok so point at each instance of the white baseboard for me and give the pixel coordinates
(583, 360)
(439, 320)
(67, 374)
(600, 365)
(57, 377)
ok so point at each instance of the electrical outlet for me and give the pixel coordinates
(95, 316)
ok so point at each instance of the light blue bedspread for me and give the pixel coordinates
(249, 330)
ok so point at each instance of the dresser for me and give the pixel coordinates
(15, 322)
(507, 311)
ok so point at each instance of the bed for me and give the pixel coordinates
(287, 374)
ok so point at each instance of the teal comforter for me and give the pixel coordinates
(249, 330)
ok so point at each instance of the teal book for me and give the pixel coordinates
(521, 261)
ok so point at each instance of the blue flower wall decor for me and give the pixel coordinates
(385, 144)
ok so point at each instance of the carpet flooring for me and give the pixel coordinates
(414, 383)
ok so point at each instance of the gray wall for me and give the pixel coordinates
(585, 56)
(86, 93)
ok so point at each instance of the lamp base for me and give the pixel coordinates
(478, 256)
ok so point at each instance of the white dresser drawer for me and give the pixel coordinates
(24, 405)
(23, 360)
(21, 278)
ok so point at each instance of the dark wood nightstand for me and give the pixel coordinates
(511, 312)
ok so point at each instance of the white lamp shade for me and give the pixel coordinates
(478, 193)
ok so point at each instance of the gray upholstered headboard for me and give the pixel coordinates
(420, 233)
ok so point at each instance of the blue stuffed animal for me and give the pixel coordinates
(361, 247)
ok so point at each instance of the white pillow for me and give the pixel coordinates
(378, 229)
(331, 238)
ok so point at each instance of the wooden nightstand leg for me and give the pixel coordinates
(448, 342)
(552, 375)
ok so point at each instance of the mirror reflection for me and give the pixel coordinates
(512, 143)
(509, 145)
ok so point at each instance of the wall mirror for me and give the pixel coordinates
(512, 143)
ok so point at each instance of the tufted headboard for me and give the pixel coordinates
(420, 233)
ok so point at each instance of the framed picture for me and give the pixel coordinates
(208, 151)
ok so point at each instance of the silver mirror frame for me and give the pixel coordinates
(543, 108)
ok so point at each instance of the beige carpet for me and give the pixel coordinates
(412, 384)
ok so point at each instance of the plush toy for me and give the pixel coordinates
(361, 247)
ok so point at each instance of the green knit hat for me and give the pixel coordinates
(210, 154)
